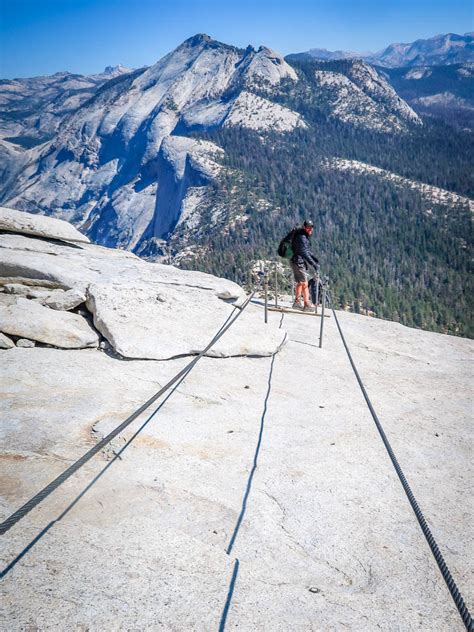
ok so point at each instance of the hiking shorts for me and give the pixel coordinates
(300, 272)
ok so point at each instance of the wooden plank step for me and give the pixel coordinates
(289, 310)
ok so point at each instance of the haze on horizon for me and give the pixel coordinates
(84, 36)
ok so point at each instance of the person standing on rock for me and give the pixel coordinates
(301, 260)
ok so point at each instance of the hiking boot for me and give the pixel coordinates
(309, 308)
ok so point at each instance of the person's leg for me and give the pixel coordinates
(306, 299)
(298, 292)
(305, 290)
(308, 304)
(299, 282)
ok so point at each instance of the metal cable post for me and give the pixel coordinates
(316, 302)
(276, 283)
(323, 305)
(265, 289)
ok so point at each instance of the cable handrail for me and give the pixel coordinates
(443, 567)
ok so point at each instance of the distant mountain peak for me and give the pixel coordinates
(110, 70)
(198, 39)
(447, 48)
(202, 42)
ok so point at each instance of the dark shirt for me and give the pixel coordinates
(302, 249)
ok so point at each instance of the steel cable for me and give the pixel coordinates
(451, 584)
(41, 495)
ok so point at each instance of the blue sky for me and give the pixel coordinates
(45, 36)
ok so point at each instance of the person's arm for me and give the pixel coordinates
(307, 254)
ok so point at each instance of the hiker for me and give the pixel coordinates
(301, 260)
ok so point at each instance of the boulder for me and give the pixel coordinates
(142, 322)
(6, 342)
(55, 298)
(25, 343)
(27, 291)
(31, 320)
(64, 300)
(38, 225)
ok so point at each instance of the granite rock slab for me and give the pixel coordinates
(143, 322)
(29, 319)
(41, 263)
(327, 541)
(39, 225)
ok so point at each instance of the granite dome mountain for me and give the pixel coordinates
(123, 166)
(120, 165)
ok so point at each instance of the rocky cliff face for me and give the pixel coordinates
(357, 94)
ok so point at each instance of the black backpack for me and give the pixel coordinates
(285, 247)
